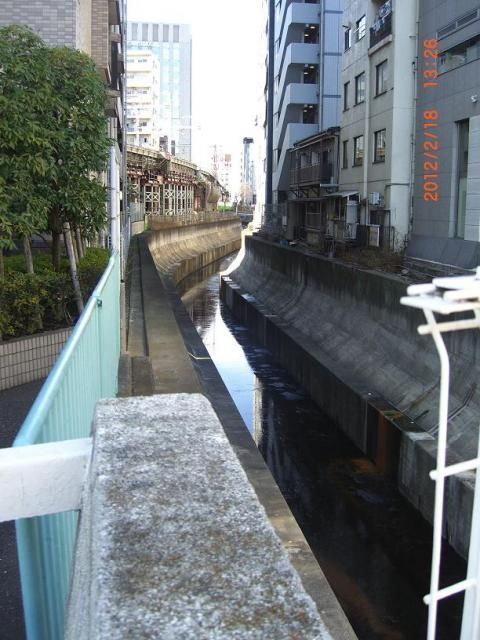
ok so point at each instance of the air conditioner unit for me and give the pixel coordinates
(374, 198)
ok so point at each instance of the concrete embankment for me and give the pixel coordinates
(179, 251)
(343, 334)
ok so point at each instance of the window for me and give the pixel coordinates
(165, 32)
(134, 31)
(345, 95)
(360, 88)
(145, 32)
(176, 33)
(459, 55)
(463, 131)
(358, 151)
(309, 114)
(348, 38)
(381, 74)
(380, 141)
(155, 33)
(361, 28)
(345, 154)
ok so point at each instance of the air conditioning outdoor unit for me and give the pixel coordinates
(374, 198)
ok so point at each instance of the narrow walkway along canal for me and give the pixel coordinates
(374, 548)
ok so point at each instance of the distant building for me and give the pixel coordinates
(446, 213)
(172, 46)
(378, 80)
(220, 165)
(143, 99)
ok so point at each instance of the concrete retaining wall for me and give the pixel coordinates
(29, 359)
(180, 251)
(345, 337)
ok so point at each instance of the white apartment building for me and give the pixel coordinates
(220, 166)
(303, 80)
(378, 119)
(143, 99)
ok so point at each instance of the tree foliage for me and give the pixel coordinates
(26, 159)
(53, 139)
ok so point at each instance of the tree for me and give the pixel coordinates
(53, 143)
(25, 143)
(80, 143)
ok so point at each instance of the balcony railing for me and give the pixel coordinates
(316, 173)
(382, 27)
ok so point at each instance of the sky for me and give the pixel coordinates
(227, 59)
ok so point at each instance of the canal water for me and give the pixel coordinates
(373, 547)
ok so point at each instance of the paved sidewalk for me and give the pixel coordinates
(14, 406)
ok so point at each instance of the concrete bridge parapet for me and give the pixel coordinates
(173, 542)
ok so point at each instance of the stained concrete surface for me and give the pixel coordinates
(14, 406)
(194, 554)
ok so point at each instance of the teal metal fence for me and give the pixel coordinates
(85, 371)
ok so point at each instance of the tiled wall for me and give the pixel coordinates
(54, 21)
(30, 358)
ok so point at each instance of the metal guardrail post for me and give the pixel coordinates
(448, 296)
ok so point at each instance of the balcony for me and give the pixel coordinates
(382, 27)
(321, 173)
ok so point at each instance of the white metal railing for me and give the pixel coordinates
(446, 296)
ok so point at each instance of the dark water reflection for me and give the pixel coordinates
(373, 547)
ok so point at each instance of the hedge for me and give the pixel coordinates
(44, 300)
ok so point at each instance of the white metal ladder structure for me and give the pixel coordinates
(446, 296)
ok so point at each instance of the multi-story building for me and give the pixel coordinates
(377, 124)
(303, 83)
(143, 99)
(172, 45)
(446, 220)
(220, 166)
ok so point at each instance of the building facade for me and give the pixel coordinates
(377, 124)
(446, 220)
(143, 99)
(303, 82)
(220, 166)
(172, 46)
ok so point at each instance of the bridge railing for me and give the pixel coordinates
(85, 371)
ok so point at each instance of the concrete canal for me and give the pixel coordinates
(372, 545)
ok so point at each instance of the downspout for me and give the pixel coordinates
(113, 192)
(414, 126)
(321, 17)
(270, 86)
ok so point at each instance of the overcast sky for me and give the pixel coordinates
(226, 66)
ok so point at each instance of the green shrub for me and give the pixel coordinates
(42, 263)
(44, 300)
(20, 296)
(90, 269)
